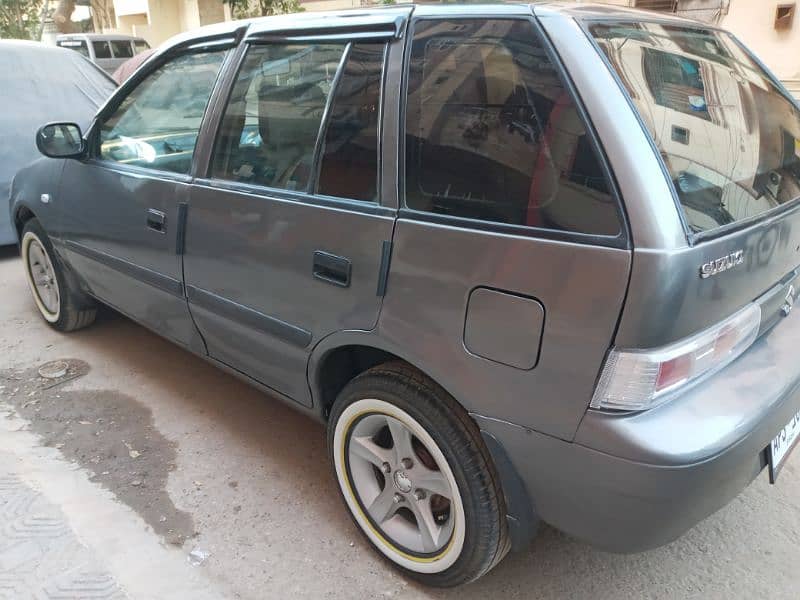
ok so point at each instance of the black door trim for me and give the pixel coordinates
(157, 280)
(292, 334)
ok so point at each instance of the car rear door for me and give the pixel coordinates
(511, 256)
(288, 228)
(121, 206)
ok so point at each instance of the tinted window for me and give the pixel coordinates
(349, 167)
(77, 45)
(492, 134)
(101, 50)
(157, 124)
(270, 127)
(140, 46)
(729, 137)
(122, 49)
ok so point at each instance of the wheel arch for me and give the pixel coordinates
(22, 214)
(340, 357)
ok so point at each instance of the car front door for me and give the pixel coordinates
(122, 217)
(287, 235)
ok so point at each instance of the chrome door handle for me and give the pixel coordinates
(156, 220)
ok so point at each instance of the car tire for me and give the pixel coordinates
(395, 439)
(60, 302)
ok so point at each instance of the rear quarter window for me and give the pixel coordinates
(492, 134)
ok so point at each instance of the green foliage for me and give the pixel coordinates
(242, 9)
(20, 19)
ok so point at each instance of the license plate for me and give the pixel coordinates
(782, 446)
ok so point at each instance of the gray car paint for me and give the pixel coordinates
(106, 239)
(256, 250)
(623, 482)
(633, 482)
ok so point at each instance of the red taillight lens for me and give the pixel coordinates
(673, 372)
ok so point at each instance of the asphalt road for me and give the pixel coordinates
(151, 453)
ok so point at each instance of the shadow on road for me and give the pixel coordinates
(9, 252)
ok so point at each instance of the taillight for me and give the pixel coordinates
(641, 379)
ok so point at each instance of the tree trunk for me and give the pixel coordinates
(62, 16)
(103, 14)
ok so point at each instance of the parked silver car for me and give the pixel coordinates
(526, 263)
(108, 51)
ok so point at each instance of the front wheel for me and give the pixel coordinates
(61, 304)
(416, 476)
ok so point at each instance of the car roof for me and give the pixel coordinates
(33, 48)
(386, 14)
(101, 37)
(595, 11)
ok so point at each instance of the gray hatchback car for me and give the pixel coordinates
(528, 263)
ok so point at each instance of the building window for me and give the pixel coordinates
(784, 16)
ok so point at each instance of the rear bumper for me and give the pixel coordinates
(630, 483)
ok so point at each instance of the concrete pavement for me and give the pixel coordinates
(151, 454)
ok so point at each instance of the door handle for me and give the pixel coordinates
(332, 269)
(156, 220)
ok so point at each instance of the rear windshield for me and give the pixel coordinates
(728, 136)
(77, 45)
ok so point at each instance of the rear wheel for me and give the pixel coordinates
(416, 476)
(59, 302)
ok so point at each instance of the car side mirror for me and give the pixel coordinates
(60, 140)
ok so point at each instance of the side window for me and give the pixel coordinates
(349, 163)
(101, 50)
(492, 134)
(122, 49)
(270, 127)
(157, 124)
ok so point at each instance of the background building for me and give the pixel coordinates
(154, 20)
(158, 20)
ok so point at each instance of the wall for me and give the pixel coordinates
(158, 20)
(316, 5)
(130, 7)
(130, 24)
(753, 23)
(210, 11)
